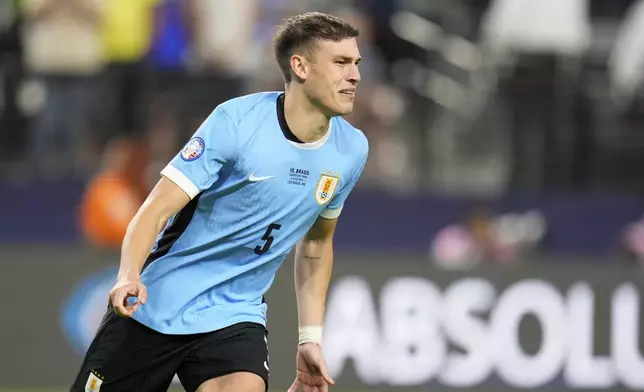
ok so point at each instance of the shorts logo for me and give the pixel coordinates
(326, 188)
(193, 149)
(94, 382)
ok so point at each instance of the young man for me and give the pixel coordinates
(264, 173)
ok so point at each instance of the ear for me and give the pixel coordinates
(300, 66)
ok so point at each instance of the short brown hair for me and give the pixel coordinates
(300, 33)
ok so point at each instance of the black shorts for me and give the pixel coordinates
(127, 356)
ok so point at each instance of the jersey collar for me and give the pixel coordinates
(290, 136)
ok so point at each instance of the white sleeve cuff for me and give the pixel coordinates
(174, 175)
(329, 213)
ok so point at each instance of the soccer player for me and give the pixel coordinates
(264, 173)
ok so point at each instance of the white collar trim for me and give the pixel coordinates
(316, 144)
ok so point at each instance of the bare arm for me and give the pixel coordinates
(165, 200)
(313, 265)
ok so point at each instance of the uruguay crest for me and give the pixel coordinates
(94, 382)
(326, 188)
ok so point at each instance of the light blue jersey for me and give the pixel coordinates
(255, 194)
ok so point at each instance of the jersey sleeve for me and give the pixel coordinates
(334, 208)
(196, 167)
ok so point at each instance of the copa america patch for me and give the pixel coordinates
(193, 149)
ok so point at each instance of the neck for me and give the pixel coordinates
(306, 121)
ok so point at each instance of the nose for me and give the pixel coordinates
(354, 74)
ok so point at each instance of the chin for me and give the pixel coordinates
(344, 110)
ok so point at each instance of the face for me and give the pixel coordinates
(331, 75)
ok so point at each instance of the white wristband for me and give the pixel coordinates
(311, 334)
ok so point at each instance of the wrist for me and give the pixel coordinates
(310, 334)
(127, 276)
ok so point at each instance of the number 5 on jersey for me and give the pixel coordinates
(267, 238)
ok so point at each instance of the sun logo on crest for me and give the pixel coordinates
(327, 185)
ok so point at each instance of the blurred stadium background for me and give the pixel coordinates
(495, 242)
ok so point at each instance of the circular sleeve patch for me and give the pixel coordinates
(193, 149)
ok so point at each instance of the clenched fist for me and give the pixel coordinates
(124, 289)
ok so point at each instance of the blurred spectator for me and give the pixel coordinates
(221, 56)
(114, 195)
(12, 120)
(170, 44)
(167, 63)
(128, 28)
(165, 77)
(454, 248)
(223, 35)
(539, 45)
(632, 242)
(626, 62)
(265, 75)
(62, 45)
(485, 237)
(163, 140)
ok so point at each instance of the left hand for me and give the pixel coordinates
(312, 372)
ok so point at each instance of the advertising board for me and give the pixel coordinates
(393, 322)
